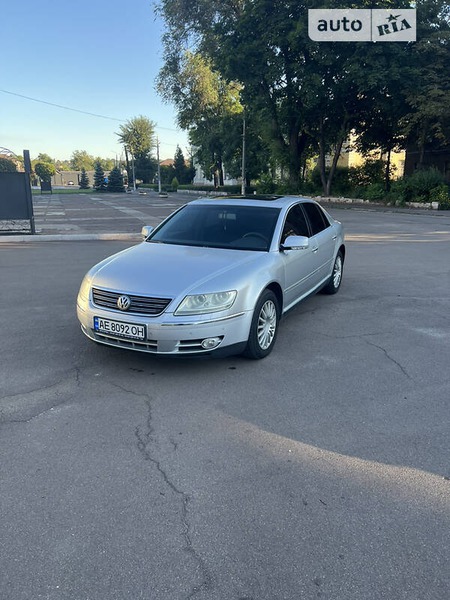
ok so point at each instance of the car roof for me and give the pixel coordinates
(253, 200)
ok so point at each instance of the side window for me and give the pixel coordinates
(295, 223)
(316, 217)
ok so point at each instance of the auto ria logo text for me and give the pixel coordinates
(362, 25)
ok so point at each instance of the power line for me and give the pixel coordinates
(83, 112)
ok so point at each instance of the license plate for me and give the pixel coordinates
(119, 329)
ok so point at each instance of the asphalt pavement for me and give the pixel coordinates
(121, 216)
(93, 216)
(321, 472)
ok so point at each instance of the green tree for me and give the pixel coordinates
(204, 100)
(137, 135)
(62, 165)
(7, 166)
(115, 181)
(307, 95)
(84, 180)
(107, 163)
(138, 138)
(427, 120)
(99, 178)
(45, 158)
(81, 160)
(183, 173)
(44, 171)
(145, 168)
(179, 165)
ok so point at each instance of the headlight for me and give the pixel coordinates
(85, 287)
(206, 303)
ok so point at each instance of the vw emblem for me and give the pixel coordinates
(123, 302)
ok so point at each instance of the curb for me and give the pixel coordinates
(70, 237)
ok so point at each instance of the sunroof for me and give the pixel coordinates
(268, 197)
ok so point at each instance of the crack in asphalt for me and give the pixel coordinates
(145, 441)
(59, 399)
(402, 369)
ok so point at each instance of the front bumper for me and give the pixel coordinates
(167, 334)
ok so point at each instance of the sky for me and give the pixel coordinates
(92, 55)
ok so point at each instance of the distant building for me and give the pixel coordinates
(352, 158)
(69, 178)
(439, 158)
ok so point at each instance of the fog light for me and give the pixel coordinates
(211, 343)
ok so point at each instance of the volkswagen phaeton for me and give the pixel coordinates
(215, 276)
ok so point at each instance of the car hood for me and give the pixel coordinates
(169, 270)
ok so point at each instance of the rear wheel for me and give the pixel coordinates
(336, 277)
(264, 328)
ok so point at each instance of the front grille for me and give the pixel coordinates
(142, 305)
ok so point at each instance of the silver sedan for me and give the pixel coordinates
(216, 276)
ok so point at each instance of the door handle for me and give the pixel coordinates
(316, 249)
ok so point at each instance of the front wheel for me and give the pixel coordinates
(334, 283)
(264, 327)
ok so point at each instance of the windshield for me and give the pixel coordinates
(219, 226)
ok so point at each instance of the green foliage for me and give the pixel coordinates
(441, 194)
(370, 172)
(107, 163)
(342, 185)
(81, 160)
(44, 171)
(305, 95)
(420, 184)
(375, 192)
(115, 181)
(137, 135)
(145, 168)
(45, 158)
(175, 184)
(265, 185)
(7, 166)
(166, 173)
(84, 180)
(99, 178)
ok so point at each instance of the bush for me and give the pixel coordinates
(44, 171)
(420, 185)
(371, 172)
(175, 184)
(265, 185)
(341, 184)
(399, 193)
(441, 194)
(7, 166)
(374, 192)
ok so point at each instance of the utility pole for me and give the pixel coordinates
(243, 157)
(134, 176)
(159, 166)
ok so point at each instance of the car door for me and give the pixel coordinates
(299, 264)
(323, 240)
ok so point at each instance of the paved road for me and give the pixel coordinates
(319, 472)
(93, 214)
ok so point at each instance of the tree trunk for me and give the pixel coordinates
(387, 179)
(327, 181)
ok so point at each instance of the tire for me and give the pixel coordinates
(264, 327)
(334, 283)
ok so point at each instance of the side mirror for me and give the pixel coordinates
(295, 242)
(146, 231)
